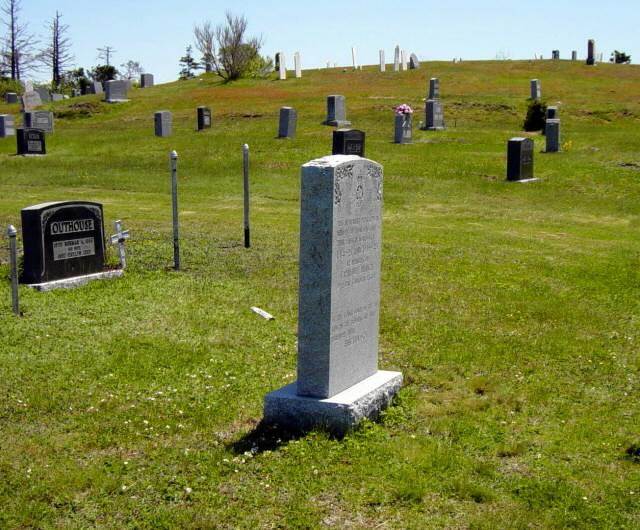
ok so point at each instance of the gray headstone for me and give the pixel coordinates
(76, 93)
(39, 119)
(57, 97)
(536, 90)
(27, 85)
(116, 91)
(288, 123)
(11, 97)
(574, 55)
(336, 111)
(434, 88)
(146, 81)
(396, 59)
(45, 94)
(7, 125)
(403, 129)
(520, 159)
(552, 134)
(591, 52)
(95, 87)
(434, 115)
(339, 302)
(204, 118)
(163, 121)
(414, 63)
(31, 100)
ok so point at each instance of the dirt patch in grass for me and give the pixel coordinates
(84, 109)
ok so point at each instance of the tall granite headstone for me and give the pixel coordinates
(520, 159)
(116, 91)
(7, 125)
(591, 52)
(336, 111)
(403, 129)
(536, 90)
(146, 80)
(39, 119)
(338, 383)
(163, 121)
(282, 71)
(288, 122)
(555, 55)
(434, 88)
(434, 115)
(552, 134)
(62, 240)
(574, 55)
(348, 142)
(30, 142)
(204, 118)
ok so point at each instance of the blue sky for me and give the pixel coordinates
(155, 33)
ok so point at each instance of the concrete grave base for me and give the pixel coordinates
(338, 414)
(77, 281)
(116, 100)
(434, 128)
(523, 181)
(338, 123)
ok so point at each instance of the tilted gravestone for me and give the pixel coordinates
(163, 121)
(552, 134)
(146, 81)
(39, 119)
(336, 112)
(288, 122)
(62, 240)
(45, 94)
(520, 160)
(434, 115)
(414, 63)
(535, 89)
(7, 125)
(338, 383)
(591, 52)
(434, 88)
(31, 142)
(204, 118)
(30, 100)
(116, 91)
(348, 142)
(11, 97)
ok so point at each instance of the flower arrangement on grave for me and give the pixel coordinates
(403, 109)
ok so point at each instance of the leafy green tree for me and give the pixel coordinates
(620, 58)
(189, 65)
(103, 72)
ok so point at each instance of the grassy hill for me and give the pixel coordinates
(512, 310)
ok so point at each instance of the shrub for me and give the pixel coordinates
(536, 115)
(7, 85)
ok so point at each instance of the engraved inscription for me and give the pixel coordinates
(73, 248)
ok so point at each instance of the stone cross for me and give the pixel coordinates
(383, 65)
(338, 383)
(119, 239)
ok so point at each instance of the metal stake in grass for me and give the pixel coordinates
(13, 258)
(174, 199)
(119, 239)
(247, 226)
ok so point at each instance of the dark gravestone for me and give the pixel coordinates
(7, 125)
(277, 62)
(574, 55)
(434, 115)
(39, 119)
(414, 63)
(11, 97)
(552, 113)
(434, 88)
(555, 55)
(163, 121)
(552, 133)
(204, 118)
(348, 142)
(146, 81)
(591, 52)
(336, 112)
(62, 240)
(520, 159)
(403, 129)
(288, 122)
(30, 142)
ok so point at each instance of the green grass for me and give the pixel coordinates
(512, 310)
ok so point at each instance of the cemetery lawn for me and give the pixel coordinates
(512, 310)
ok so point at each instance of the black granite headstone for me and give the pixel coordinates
(204, 118)
(30, 142)
(62, 240)
(520, 159)
(348, 142)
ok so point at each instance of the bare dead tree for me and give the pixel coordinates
(57, 55)
(232, 54)
(131, 69)
(105, 54)
(19, 43)
(205, 42)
